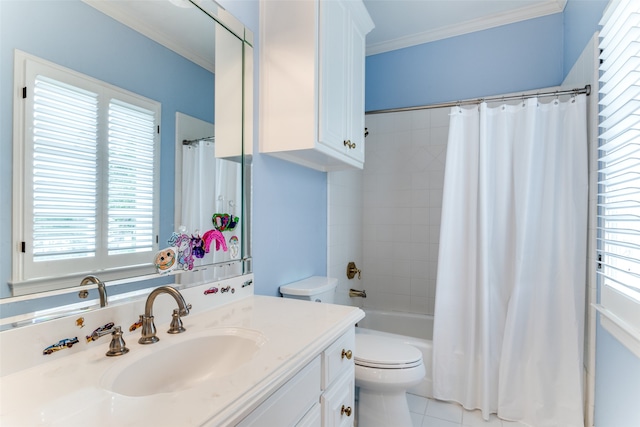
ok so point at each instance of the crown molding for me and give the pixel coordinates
(549, 7)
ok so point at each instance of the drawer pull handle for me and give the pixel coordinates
(346, 410)
(348, 143)
(347, 354)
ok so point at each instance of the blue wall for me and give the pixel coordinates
(75, 35)
(511, 58)
(581, 20)
(617, 383)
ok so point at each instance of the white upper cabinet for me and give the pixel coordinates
(312, 56)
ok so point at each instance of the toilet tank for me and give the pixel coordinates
(314, 288)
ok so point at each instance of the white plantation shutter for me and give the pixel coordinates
(65, 130)
(88, 162)
(131, 178)
(619, 186)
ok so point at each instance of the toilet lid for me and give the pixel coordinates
(387, 353)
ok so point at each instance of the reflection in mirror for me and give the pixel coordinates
(208, 201)
(211, 211)
(170, 64)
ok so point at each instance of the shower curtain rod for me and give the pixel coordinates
(586, 90)
(191, 141)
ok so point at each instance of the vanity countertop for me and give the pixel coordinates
(69, 390)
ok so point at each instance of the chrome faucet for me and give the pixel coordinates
(148, 327)
(102, 290)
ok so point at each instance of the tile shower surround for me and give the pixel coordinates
(397, 218)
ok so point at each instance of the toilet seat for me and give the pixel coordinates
(374, 351)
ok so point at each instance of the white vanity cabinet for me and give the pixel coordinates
(319, 395)
(289, 405)
(338, 382)
(312, 58)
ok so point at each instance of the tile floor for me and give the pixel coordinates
(433, 413)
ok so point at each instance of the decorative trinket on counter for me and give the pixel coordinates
(62, 344)
(136, 325)
(213, 290)
(106, 327)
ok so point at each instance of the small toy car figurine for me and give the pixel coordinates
(211, 291)
(67, 342)
(98, 330)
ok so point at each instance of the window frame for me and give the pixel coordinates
(24, 279)
(619, 299)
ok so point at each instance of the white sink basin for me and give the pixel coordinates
(185, 364)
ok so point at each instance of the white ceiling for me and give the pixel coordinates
(403, 23)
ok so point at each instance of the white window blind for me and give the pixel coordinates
(65, 151)
(131, 179)
(619, 186)
(87, 160)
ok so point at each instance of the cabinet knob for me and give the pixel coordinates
(345, 410)
(348, 143)
(347, 354)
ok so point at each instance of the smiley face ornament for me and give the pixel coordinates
(165, 260)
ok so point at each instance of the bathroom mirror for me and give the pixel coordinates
(184, 55)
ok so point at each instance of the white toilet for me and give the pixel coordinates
(384, 367)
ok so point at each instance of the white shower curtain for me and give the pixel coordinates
(198, 186)
(509, 315)
(198, 196)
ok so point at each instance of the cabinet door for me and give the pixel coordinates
(338, 408)
(313, 418)
(355, 94)
(338, 358)
(288, 405)
(333, 76)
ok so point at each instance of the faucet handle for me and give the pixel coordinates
(185, 311)
(176, 326)
(117, 346)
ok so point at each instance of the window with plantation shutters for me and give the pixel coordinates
(65, 176)
(86, 176)
(619, 173)
(131, 183)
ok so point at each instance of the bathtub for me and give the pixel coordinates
(410, 328)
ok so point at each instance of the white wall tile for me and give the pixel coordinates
(401, 203)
